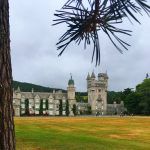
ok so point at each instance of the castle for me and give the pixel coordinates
(58, 103)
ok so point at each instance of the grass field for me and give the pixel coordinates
(73, 133)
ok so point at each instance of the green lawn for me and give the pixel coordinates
(74, 133)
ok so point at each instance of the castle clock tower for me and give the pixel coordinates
(71, 95)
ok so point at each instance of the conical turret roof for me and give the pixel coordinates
(18, 90)
(93, 75)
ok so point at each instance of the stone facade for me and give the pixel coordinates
(29, 103)
(114, 109)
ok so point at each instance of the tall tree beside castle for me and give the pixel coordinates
(67, 108)
(27, 107)
(60, 107)
(74, 109)
(7, 135)
(41, 107)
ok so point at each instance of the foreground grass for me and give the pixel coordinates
(130, 133)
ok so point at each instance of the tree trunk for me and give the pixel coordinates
(7, 133)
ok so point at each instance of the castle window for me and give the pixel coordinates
(37, 100)
(51, 100)
(57, 101)
(51, 112)
(22, 112)
(36, 106)
(64, 101)
(22, 106)
(99, 90)
(57, 112)
(50, 106)
(37, 112)
(22, 101)
(44, 106)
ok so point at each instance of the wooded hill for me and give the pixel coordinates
(27, 87)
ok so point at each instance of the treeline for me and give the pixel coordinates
(136, 101)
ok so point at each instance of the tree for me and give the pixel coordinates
(74, 109)
(46, 103)
(7, 133)
(132, 103)
(41, 107)
(85, 18)
(144, 90)
(60, 108)
(67, 108)
(89, 111)
(27, 107)
(138, 102)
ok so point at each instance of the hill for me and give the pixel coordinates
(27, 87)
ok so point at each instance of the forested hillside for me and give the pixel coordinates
(27, 87)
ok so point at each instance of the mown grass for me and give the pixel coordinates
(74, 133)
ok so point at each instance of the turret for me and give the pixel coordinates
(93, 75)
(71, 89)
(32, 90)
(18, 90)
(71, 95)
(88, 79)
(92, 79)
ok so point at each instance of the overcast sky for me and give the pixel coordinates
(35, 58)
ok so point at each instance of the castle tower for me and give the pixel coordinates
(97, 93)
(71, 95)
